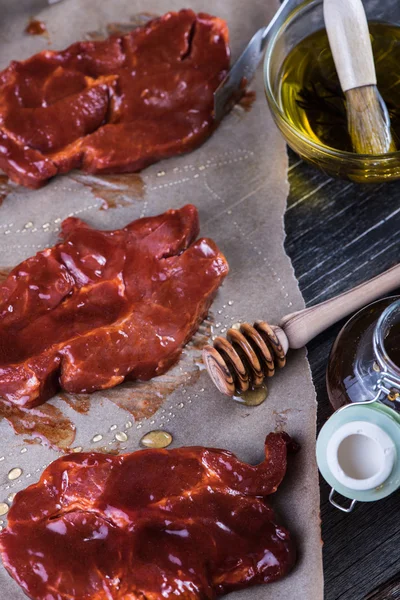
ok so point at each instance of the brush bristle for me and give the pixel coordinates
(368, 121)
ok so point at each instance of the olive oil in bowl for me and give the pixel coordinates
(310, 95)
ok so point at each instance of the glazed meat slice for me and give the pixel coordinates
(104, 306)
(115, 105)
(189, 522)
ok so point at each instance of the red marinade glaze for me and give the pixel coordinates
(35, 27)
(104, 306)
(155, 524)
(116, 105)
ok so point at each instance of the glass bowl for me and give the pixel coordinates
(303, 19)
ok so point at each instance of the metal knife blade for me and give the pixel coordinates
(242, 72)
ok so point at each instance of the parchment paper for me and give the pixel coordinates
(238, 181)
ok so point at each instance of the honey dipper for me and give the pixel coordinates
(249, 354)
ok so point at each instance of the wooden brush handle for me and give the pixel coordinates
(302, 326)
(347, 28)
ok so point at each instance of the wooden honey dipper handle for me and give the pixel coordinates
(249, 354)
(302, 326)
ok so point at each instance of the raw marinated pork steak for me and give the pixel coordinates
(104, 306)
(116, 105)
(190, 522)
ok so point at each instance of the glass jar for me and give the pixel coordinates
(358, 449)
(364, 363)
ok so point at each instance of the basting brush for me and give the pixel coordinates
(368, 119)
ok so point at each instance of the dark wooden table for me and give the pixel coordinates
(340, 234)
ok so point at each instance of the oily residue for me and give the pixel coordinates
(281, 418)
(79, 402)
(241, 98)
(143, 398)
(4, 188)
(94, 36)
(44, 424)
(115, 191)
(110, 29)
(247, 100)
(7, 187)
(137, 20)
(4, 272)
(36, 27)
(140, 19)
(108, 450)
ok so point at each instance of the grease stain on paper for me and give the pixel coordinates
(45, 424)
(116, 28)
(4, 188)
(4, 272)
(115, 191)
(281, 418)
(7, 187)
(247, 100)
(79, 402)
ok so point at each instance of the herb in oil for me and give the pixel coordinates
(310, 93)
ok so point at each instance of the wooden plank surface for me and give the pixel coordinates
(340, 234)
(388, 591)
